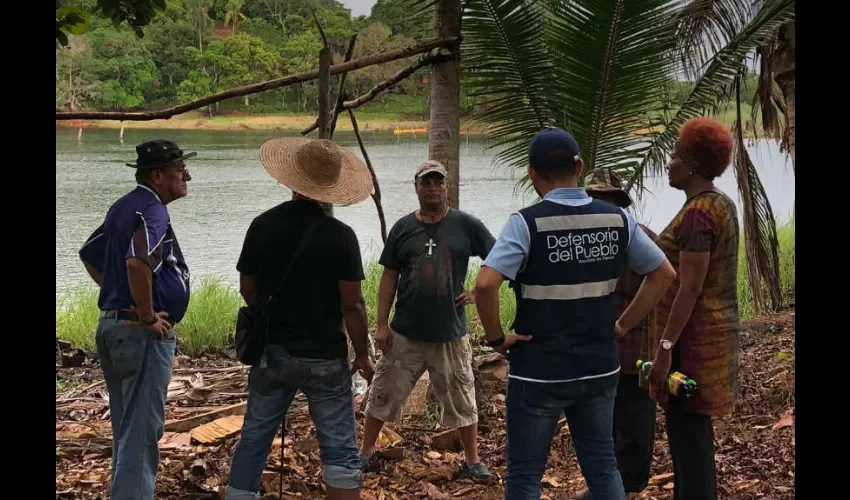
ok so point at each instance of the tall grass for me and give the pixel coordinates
(210, 321)
(208, 326)
(787, 261)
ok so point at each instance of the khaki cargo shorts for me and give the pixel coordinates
(449, 366)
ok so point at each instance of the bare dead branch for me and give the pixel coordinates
(254, 88)
(319, 25)
(340, 92)
(376, 196)
(433, 57)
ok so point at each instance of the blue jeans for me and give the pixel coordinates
(271, 386)
(533, 410)
(137, 369)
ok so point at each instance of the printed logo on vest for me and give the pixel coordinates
(583, 247)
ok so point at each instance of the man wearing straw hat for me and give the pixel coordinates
(425, 260)
(144, 291)
(309, 263)
(634, 409)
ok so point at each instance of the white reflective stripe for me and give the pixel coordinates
(569, 292)
(565, 380)
(583, 221)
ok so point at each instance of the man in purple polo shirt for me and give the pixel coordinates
(144, 291)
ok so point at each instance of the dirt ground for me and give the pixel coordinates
(755, 445)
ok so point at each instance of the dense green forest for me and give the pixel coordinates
(197, 47)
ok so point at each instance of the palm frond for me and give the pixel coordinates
(613, 64)
(510, 69)
(760, 238)
(597, 68)
(767, 100)
(703, 27)
(713, 86)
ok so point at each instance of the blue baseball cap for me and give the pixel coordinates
(548, 141)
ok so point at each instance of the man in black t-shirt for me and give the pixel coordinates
(312, 297)
(425, 259)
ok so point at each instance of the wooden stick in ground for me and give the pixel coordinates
(376, 196)
(254, 88)
(432, 57)
(324, 84)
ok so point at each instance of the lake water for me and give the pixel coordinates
(229, 188)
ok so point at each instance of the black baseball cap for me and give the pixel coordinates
(548, 141)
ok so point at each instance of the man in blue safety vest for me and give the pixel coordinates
(564, 256)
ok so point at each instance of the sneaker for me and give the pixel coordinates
(477, 472)
(369, 463)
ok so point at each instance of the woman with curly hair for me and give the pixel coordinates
(698, 317)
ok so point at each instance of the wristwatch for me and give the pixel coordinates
(495, 343)
(666, 344)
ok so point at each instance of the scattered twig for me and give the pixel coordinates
(72, 394)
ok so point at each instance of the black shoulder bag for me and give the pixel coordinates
(252, 322)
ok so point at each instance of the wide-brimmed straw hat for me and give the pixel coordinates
(605, 181)
(317, 169)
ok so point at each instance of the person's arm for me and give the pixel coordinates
(96, 275)
(482, 242)
(143, 257)
(354, 315)
(696, 238)
(350, 275)
(387, 288)
(92, 255)
(644, 258)
(248, 266)
(693, 268)
(504, 260)
(140, 278)
(487, 301)
(650, 293)
(248, 289)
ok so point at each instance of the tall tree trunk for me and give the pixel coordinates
(444, 128)
(444, 137)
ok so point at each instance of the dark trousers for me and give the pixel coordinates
(691, 440)
(634, 433)
(533, 411)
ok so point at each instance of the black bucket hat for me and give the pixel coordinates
(158, 154)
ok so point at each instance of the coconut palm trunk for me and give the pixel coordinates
(444, 127)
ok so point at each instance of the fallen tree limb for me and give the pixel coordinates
(434, 56)
(187, 371)
(187, 424)
(163, 114)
